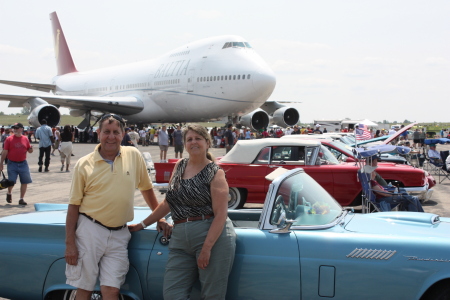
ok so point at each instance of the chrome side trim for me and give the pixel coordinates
(371, 254)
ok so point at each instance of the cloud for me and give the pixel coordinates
(436, 61)
(287, 45)
(282, 65)
(7, 49)
(316, 83)
(204, 14)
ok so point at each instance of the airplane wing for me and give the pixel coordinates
(119, 105)
(31, 85)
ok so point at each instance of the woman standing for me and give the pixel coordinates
(203, 240)
(67, 138)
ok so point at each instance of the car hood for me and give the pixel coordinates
(401, 223)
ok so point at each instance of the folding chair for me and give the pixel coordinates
(445, 171)
(370, 202)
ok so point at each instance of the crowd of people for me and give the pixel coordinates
(16, 145)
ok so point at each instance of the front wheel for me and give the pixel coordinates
(236, 198)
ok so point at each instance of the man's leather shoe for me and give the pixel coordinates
(46, 169)
(40, 169)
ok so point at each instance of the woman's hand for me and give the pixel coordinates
(135, 227)
(203, 259)
(165, 227)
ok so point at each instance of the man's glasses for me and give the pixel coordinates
(117, 117)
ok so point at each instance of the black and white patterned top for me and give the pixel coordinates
(191, 197)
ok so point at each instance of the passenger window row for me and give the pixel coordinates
(130, 86)
(165, 82)
(220, 78)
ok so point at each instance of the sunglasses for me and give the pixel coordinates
(117, 117)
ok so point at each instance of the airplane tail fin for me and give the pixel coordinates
(64, 61)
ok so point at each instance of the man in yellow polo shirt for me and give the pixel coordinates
(100, 205)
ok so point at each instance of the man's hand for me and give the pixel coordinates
(165, 227)
(71, 254)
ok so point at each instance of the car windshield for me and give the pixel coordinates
(302, 199)
(340, 150)
(325, 157)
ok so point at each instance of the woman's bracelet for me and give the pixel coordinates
(143, 224)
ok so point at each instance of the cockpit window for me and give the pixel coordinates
(236, 45)
(226, 45)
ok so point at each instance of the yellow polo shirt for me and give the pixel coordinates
(106, 192)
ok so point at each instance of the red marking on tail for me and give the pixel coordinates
(64, 61)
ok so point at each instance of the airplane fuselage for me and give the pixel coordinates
(206, 80)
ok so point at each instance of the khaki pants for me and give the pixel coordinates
(182, 270)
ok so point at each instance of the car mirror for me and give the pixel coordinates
(349, 159)
(285, 229)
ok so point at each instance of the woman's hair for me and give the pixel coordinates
(67, 129)
(200, 130)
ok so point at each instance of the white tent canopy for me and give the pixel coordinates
(368, 123)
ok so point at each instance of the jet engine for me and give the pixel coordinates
(256, 120)
(286, 116)
(40, 110)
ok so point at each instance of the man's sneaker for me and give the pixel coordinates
(40, 169)
(62, 168)
(161, 161)
(8, 198)
(21, 202)
(46, 169)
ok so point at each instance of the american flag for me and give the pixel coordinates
(362, 133)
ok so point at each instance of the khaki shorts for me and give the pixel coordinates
(163, 147)
(55, 145)
(100, 252)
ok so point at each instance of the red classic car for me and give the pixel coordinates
(247, 164)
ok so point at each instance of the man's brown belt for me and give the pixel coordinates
(99, 223)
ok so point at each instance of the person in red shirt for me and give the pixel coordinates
(15, 149)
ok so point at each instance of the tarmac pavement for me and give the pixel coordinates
(54, 186)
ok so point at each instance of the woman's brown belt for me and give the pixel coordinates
(191, 219)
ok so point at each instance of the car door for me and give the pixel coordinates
(262, 260)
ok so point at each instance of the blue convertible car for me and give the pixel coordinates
(301, 245)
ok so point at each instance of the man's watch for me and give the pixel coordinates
(143, 224)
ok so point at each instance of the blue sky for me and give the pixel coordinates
(358, 59)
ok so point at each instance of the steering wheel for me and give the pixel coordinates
(279, 207)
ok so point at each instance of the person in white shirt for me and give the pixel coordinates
(434, 154)
(134, 137)
(392, 131)
(143, 135)
(447, 163)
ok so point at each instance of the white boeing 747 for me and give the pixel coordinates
(211, 79)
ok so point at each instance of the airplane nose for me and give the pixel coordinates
(264, 82)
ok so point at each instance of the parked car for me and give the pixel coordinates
(247, 164)
(344, 152)
(301, 245)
